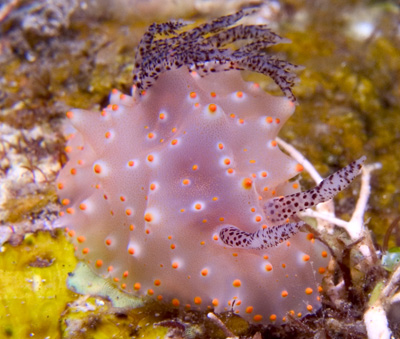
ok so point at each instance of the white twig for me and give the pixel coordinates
(325, 211)
(376, 323)
(324, 216)
(392, 285)
(7, 8)
(375, 319)
(301, 160)
(327, 208)
(355, 226)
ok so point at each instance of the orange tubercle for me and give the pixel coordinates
(97, 168)
(299, 168)
(257, 317)
(309, 290)
(212, 108)
(204, 272)
(237, 283)
(148, 217)
(247, 182)
(197, 300)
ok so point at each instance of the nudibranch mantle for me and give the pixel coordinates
(180, 191)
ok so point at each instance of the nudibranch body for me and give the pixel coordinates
(180, 191)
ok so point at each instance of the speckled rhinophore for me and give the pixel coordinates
(180, 191)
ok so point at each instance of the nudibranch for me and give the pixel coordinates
(180, 192)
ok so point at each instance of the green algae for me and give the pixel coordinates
(84, 281)
(33, 290)
(391, 259)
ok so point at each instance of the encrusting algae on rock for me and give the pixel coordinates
(33, 288)
(180, 192)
